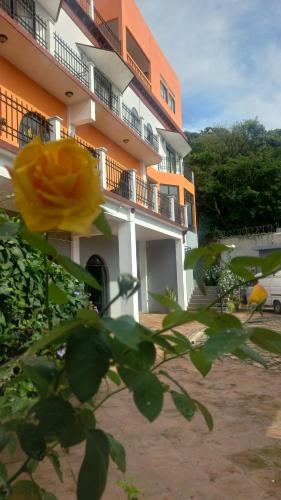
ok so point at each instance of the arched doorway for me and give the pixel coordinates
(98, 270)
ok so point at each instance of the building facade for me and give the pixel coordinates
(92, 70)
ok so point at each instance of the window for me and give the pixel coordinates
(135, 119)
(189, 201)
(163, 91)
(149, 132)
(171, 159)
(170, 191)
(172, 103)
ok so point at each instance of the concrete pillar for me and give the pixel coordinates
(181, 274)
(75, 248)
(91, 8)
(50, 36)
(171, 208)
(143, 277)
(102, 166)
(92, 77)
(155, 200)
(128, 261)
(132, 184)
(55, 132)
(185, 215)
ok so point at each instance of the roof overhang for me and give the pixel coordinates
(110, 64)
(176, 141)
(52, 7)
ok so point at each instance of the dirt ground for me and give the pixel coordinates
(172, 459)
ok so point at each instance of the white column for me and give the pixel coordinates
(91, 9)
(50, 36)
(155, 198)
(102, 166)
(132, 184)
(128, 262)
(92, 77)
(171, 207)
(181, 274)
(185, 215)
(55, 132)
(143, 276)
(75, 248)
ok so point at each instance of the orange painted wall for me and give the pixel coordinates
(92, 135)
(172, 180)
(23, 86)
(130, 17)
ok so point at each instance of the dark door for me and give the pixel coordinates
(97, 268)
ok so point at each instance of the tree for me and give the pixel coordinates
(238, 176)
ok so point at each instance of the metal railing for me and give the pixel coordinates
(103, 89)
(70, 60)
(151, 138)
(19, 122)
(107, 31)
(188, 174)
(179, 213)
(117, 179)
(131, 119)
(23, 11)
(84, 144)
(163, 205)
(144, 194)
(137, 70)
(170, 166)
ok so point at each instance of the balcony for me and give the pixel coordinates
(24, 13)
(131, 119)
(71, 61)
(64, 134)
(103, 89)
(170, 166)
(20, 122)
(136, 69)
(150, 138)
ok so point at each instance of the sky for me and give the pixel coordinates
(227, 54)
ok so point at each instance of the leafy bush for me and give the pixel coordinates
(22, 296)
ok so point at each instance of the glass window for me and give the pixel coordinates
(189, 201)
(172, 103)
(164, 91)
(170, 191)
(171, 159)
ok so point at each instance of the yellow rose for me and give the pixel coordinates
(258, 295)
(57, 186)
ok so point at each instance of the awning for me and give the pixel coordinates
(110, 64)
(176, 141)
(52, 7)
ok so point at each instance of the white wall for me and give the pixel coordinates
(252, 244)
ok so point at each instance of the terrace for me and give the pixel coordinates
(20, 123)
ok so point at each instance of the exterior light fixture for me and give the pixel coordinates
(126, 141)
(69, 94)
(3, 38)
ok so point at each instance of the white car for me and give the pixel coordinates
(273, 286)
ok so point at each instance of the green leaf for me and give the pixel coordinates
(245, 261)
(4, 438)
(166, 301)
(53, 456)
(25, 490)
(223, 342)
(32, 441)
(266, 339)
(206, 414)
(3, 475)
(93, 473)
(193, 256)
(272, 263)
(184, 405)
(200, 361)
(128, 285)
(41, 372)
(126, 330)
(114, 377)
(128, 376)
(87, 361)
(77, 271)
(57, 295)
(241, 271)
(57, 336)
(54, 414)
(117, 453)
(148, 395)
(73, 434)
(8, 230)
(102, 225)
(245, 352)
(46, 495)
(38, 243)
(88, 419)
(139, 360)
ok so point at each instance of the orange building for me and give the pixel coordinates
(91, 69)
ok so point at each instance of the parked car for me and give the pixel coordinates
(272, 284)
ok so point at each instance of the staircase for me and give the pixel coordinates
(199, 300)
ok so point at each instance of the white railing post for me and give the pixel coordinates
(171, 208)
(155, 198)
(142, 126)
(50, 36)
(55, 132)
(185, 215)
(91, 9)
(102, 166)
(75, 248)
(92, 77)
(132, 186)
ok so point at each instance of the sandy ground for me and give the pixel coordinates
(172, 459)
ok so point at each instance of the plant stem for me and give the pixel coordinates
(19, 471)
(47, 305)
(109, 396)
(110, 304)
(165, 374)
